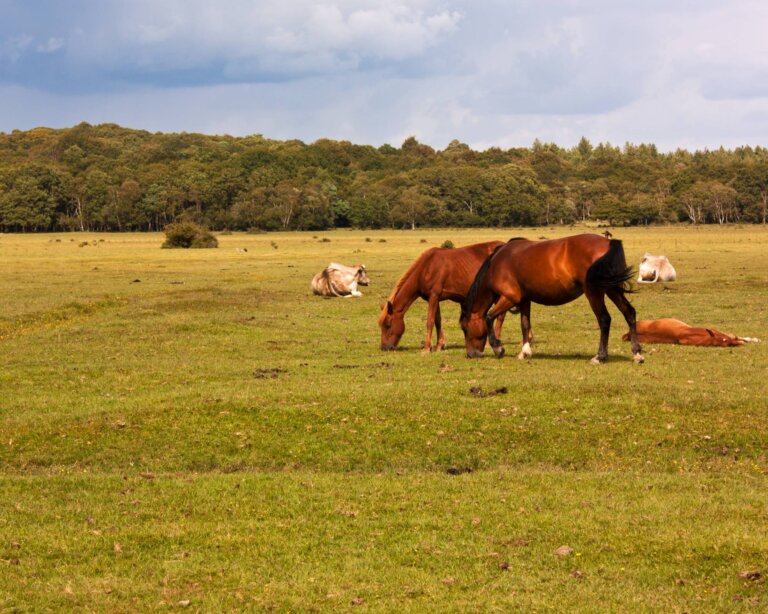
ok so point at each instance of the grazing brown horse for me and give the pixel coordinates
(669, 330)
(438, 274)
(551, 272)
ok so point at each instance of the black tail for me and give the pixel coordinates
(610, 270)
(466, 306)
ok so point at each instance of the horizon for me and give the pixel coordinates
(621, 146)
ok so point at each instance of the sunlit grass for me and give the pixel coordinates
(197, 426)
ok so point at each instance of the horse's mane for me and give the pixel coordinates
(403, 279)
(466, 305)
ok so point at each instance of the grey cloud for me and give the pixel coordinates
(211, 43)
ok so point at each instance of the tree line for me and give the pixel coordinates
(110, 178)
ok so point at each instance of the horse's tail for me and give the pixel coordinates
(469, 300)
(323, 285)
(610, 271)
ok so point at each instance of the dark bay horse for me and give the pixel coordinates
(438, 274)
(551, 272)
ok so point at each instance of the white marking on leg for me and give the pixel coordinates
(526, 351)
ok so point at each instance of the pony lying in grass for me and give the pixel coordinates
(439, 274)
(669, 330)
(655, 268)
(552, 272)
(340, 280)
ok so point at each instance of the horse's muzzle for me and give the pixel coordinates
(387, 347)
(474, 353)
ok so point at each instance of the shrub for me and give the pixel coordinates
(188, 234)
(447, 244)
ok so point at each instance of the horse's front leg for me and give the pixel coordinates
(628, 311)
(353, 291)
(501, 307)
(433, 315)
(525, 326)
(596, 300)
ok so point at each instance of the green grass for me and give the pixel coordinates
(197, 426)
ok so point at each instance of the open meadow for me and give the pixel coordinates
(195, 428)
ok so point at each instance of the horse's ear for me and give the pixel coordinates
(709, 332)
(390, 308)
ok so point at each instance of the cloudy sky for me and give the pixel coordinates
(677, 73)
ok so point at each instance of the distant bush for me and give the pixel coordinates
(447, 244)
(188, 234)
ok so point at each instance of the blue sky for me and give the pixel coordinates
(677, 73)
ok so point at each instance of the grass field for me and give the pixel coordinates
(193, 429)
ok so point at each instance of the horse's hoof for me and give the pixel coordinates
(597, 360)
(425, 351)
(638, 358)
(499, 351)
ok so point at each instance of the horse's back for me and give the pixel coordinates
(450, 271)
(549, 272)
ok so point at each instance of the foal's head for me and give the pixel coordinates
(392, 326)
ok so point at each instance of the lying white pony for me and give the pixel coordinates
(655, 268)
(340, 280)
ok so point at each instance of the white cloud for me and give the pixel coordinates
(14, 47)
(52, 45)
(173, 35)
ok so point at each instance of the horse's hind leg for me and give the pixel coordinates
(433, 316)
(439, 329)
(628, 311)
(596, 300)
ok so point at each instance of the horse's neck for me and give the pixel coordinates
(406, 293)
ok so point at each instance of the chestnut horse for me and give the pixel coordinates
(551, 272)
(669, 330)
(438, 274)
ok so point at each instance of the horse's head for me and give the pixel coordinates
(722, 339)
(362, 276)
(392, 326)
(475, 334)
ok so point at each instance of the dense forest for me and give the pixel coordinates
(107, 177)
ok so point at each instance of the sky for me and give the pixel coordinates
(690, 74)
